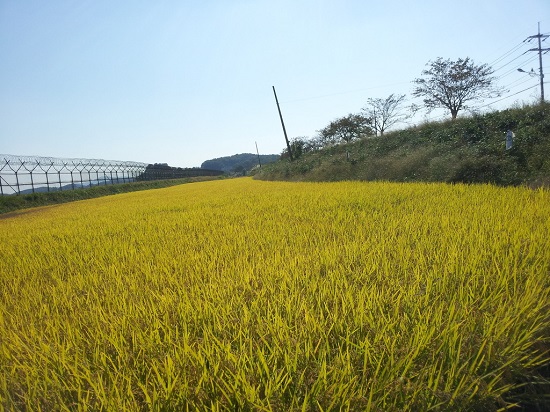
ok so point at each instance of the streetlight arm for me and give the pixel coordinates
(531, 73)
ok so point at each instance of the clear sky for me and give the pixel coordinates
(180, 82)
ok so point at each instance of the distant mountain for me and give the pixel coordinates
(238, 163)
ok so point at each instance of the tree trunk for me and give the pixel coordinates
(454, 112)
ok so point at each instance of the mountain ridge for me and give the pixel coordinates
(238, 163)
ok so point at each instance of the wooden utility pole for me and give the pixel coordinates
(258, 153)
(283, 124)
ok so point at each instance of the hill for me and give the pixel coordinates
(469, 150)
(238, 163)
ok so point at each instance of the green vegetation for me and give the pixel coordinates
(468, 150)
(453, 84)
(12, 203)
(239, 163)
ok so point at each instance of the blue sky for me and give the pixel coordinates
(181, 82)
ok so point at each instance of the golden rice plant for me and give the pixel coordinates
(274, 296)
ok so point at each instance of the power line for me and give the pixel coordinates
(506, 54)
(521, 81)
(514, 59)
(341, 93)
(508, 66)
(514, 69)
(507, 97)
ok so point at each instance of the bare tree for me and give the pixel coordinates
(346, 128)
(384, 113)
(452, 84)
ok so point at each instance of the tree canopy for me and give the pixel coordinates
(384, 113)
(346, 128)
(452, 84)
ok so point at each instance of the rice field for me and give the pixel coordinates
(275, 296)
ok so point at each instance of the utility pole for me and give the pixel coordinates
(283, 124)
(258, 153)
(540, 37)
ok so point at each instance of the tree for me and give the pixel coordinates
(384, 113)
(452, 84)
(346, 128)
(297, 145)
(301, 145)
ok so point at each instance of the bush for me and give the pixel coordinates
(487, 170)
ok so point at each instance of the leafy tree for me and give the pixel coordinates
(313, 144)
(301, 145)
(345, 129)
(298, 147)
(452, 84)
(384, 113)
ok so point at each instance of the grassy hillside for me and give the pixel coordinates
(469, 150)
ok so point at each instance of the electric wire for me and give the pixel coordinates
(498, 60)
(519, 82)
(515, 69)
(507, 97)
(341, 93)
(504, 62)
(511, 61)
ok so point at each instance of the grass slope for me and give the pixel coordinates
(468, 150)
